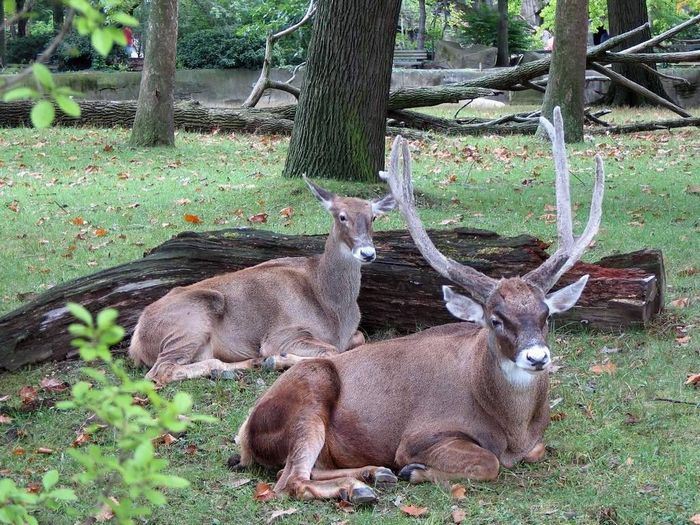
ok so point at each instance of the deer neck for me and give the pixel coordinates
(338, 272)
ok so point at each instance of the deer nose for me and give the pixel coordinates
(368, 254)
(537, 356)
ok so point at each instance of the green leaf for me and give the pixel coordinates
(124, 19)
(143, 453)
(65, 90)
(171, 482)
(69, 106)
(80, 312)
(106, 318)
(155, 497)
(10, 7)
(102, 41)
(79, 330)
(50, 479)
(182, 402)
(64, 494)
(43, 75)
(96, 375)
(42, 114)
(20, 93)
(117, 35)
(80, 389)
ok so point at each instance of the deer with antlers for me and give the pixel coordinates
(455, 401)
(275, 314)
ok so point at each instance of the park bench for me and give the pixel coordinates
(410, 57)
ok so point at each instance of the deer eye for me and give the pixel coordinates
(342, 217)
(496, 323)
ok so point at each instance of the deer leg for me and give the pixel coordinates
(448, 459)
(292, 345)
(368, 474)
(167, 371)
(536, 454)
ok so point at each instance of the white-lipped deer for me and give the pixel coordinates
(455, 401)
(276, 313)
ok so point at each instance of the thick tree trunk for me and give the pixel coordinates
(567, 75)
(154, 124)
(503, 56)
(623, 16)
(21, 22)
(529, 10)
(420, 40)
(58, 16)
(399, 291)
(340, 124)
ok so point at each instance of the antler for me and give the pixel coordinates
(570, 248)
(478, 285)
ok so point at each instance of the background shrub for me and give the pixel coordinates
(22, 50)
(479, 25)
(220, 49)
(76, 53)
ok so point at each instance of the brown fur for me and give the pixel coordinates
(438, 398)
(304, 306)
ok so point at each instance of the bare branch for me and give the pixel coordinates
(672, 78)
(17, 16)
(663, 36)
(478, 285)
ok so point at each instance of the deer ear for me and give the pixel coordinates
(562, 300)
(463, 307)
(325, 196)
(383, 205)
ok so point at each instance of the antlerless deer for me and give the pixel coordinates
(276, 313)
(455, 401)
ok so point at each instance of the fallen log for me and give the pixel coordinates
(399, 291)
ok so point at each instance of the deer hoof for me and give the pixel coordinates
(362, 496)
(384, 476)
(269, 363)
(234, 463)
(405, 473)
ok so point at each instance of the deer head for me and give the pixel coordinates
(515, 311)
(352, 220)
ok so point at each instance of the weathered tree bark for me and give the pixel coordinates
(399, 291)
(420, 39)
(567, 74)
(154, 124)
(623, 16)
(340, 124)
(503, 54)
(22, 21)
(58, 16)
(529, 10)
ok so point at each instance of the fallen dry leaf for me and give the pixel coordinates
(78, 221)
(183, 202)
(693, 189)
(27, 394)
(413, 510)
(557, 416)
(140, 401)
(279, 514)
(458, 516)
(263, 492)
(258, 218)
(5, 419)
(454, 220)
(683, 340)
(108, 148)
(165, 439)
(34, 488)
(287, 212)
(605, 368)
(693, 379)
(53, 385)
(689, 271)
(631, 419)
(458, 491)
(100, 232)
(106, 513)
(194, 219)
(191, 449)
(681, 302)
(82, 438)
(19, 451)
(44, 450)
(236, 483)
(14, 206)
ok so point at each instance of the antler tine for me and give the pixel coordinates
(477, 284)
(570, 248)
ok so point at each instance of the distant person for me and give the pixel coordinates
(600, 36)
(129, 35)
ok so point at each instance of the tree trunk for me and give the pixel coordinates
(567, 74)
(3, 49)
(420, 40)
(340, 124)
(529, 10)
(399, 291)
(154, 124)
(57, 9)
(22, 22)
(503, 56)
(623, 16)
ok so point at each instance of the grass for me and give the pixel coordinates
(75, 201)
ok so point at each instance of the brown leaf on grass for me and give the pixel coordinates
(454, 220)
(587, 410)
(549, 218)
(458, 491)
(53, 385)
(14, 206)
(34, 488)
(345, 506)
(263, 492)
(605, 368)
(77, 221)
(693, 189)
(4, 420)
(100, 232)
(550, 207)
(44, 450)
(631, 419)
(413, 510)
(191, 449)
(693, 379)
(681, 302)
(683, 340)
(695, 519)
(557, 416)
(140, 401)
(236, 483)
(92, 169)
(108, 148)
(458, 516)
(287, 212)
(106, 513)
(182, 202)
(258, 218)
(165, 439)
(27, 394)
(279, 514)
(194, 219)
(82, 438)
(689, 271)
(19, 451)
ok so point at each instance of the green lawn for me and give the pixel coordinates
(73, 201)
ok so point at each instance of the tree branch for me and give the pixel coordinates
(663, 36)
